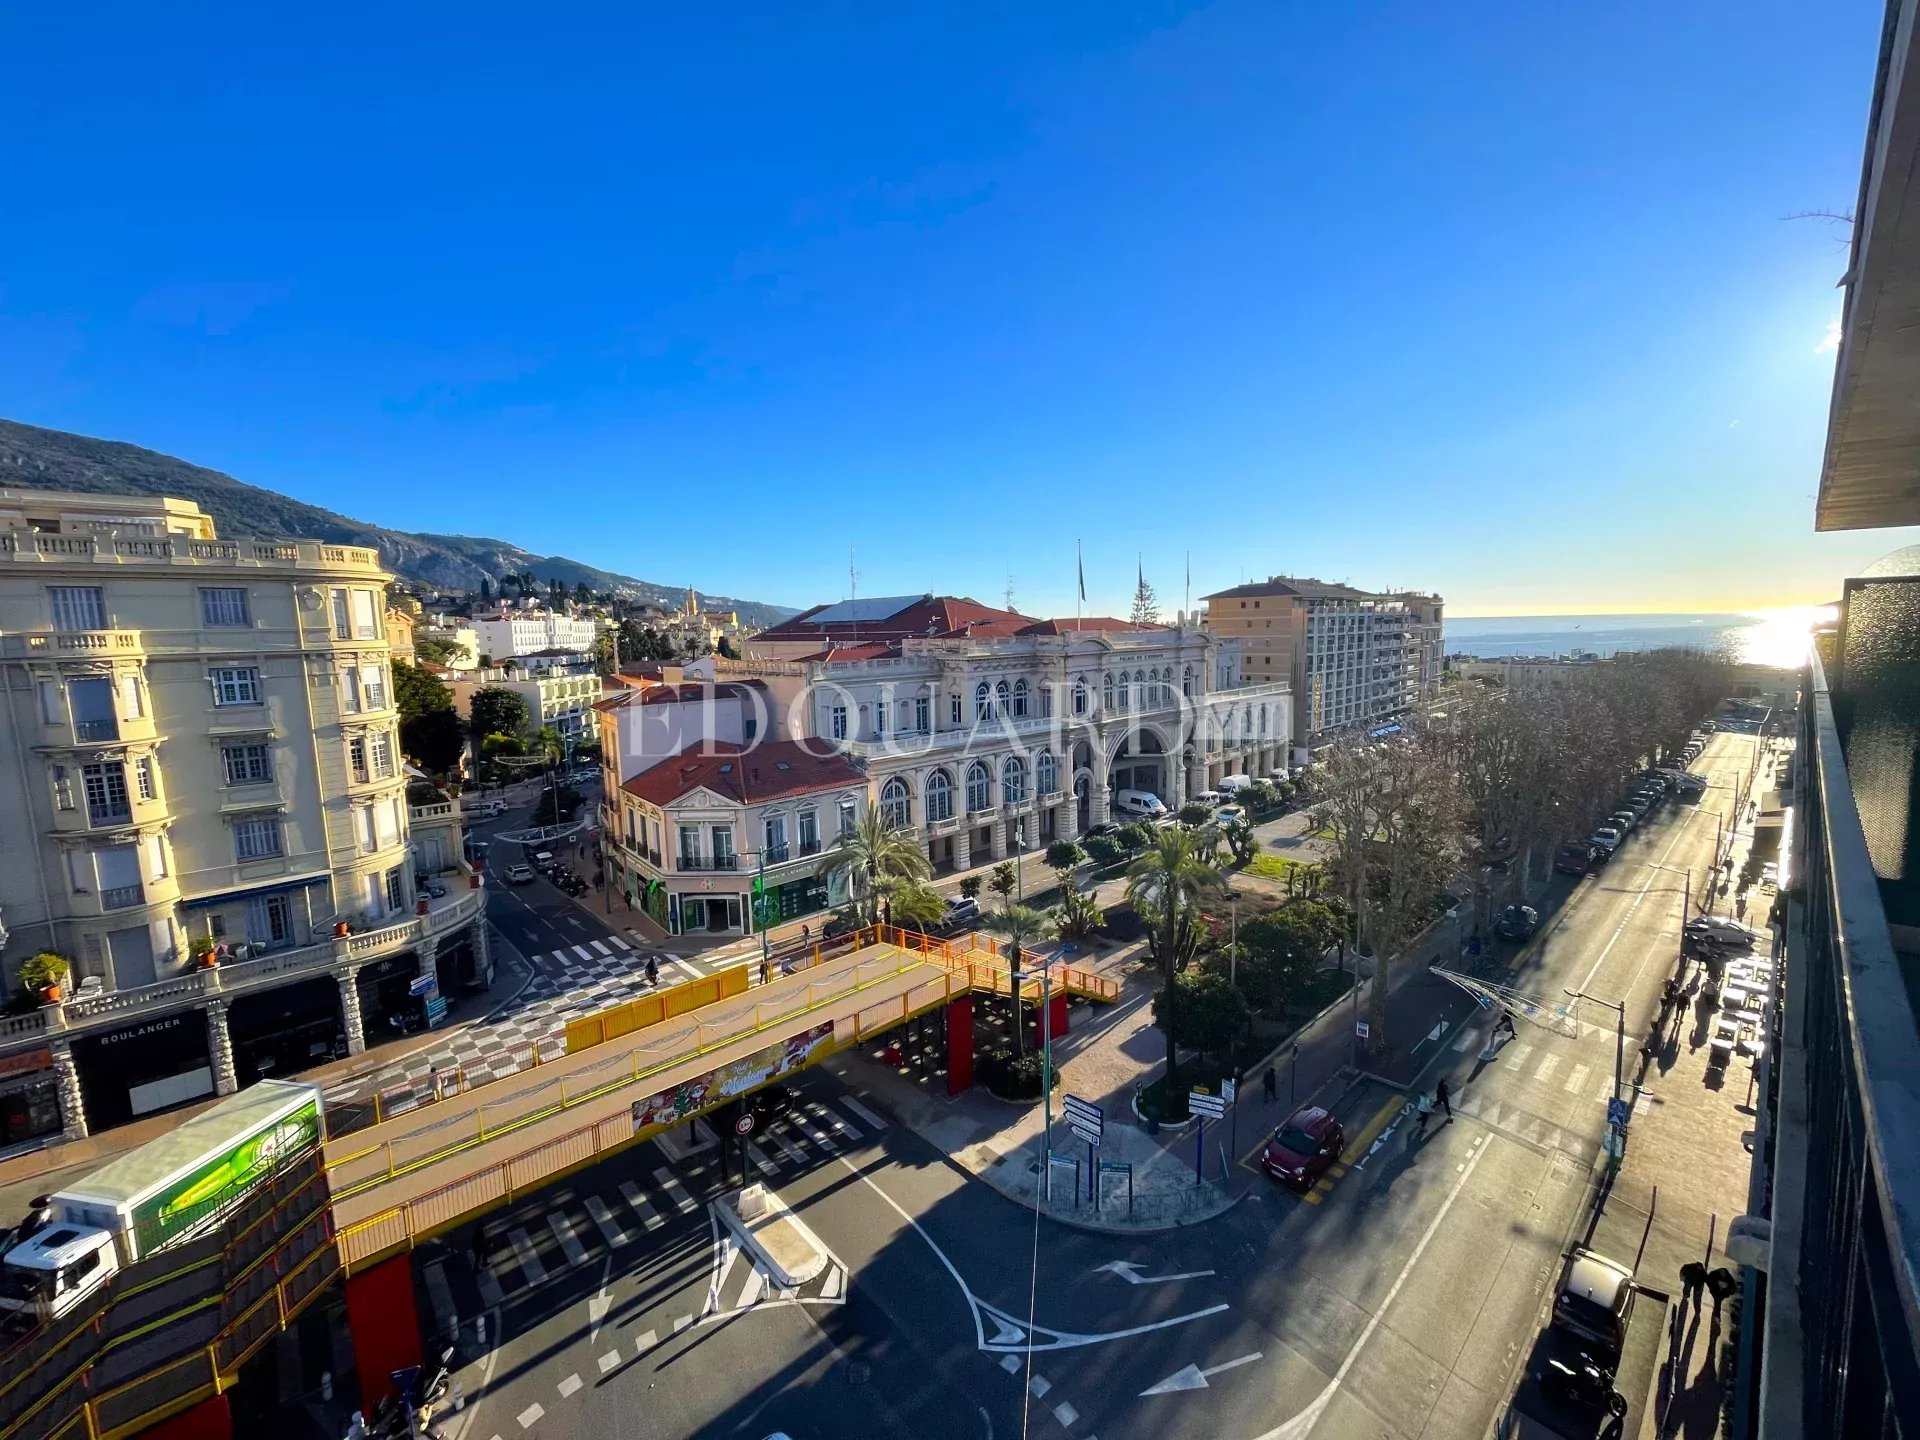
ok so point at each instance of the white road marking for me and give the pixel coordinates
(840, 1127)
(1039, 1385)
(645, 1343)
(1302, 1424)
(1010, 1363)
(787, 1148)
(1577, 1078)
(760, 1161)
(1468, 1039)
(1605, 1092)
(527, 1416)
(642, 1206)
(440, 1295)
(583, 952)
(618, 943)
(694, 972)
(602, 947)
(812, 1131)
(755, 1287)
(597, 1208)
(863, 1112)
(526, 1256)
(682, 1323)
(1520, 1054)
(676, 1192)
(1065, 1414)
(570, 1245)
(609, 1362)
(490, 1291)
(568, 1386)
(1546, 1068)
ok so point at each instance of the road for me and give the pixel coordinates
(1395, 1299)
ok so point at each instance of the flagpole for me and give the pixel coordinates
(1080, 565)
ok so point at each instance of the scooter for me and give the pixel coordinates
(1587, 1385)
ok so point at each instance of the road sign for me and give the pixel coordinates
(744, 1125)
(1618, 1112)
(1211, 1107)
(1084, 1110)
(1229, 1091)
(1090, 1134)
(1362, 1029)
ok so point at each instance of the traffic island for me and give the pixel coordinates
(790, 1253)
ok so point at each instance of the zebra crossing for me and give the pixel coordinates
(1535, 1075)
(649, 1203)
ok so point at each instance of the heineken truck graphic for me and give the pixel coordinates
(174, 1187)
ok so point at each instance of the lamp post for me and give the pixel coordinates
(1619, 1008)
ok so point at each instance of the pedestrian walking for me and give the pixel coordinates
(1270, 1084)
(1440, 1094)
(653, 972)
(1424, 1105)
(806, 934)
(766, 971)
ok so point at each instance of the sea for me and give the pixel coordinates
(1762, 637)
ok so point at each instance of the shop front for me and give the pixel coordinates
(143, 1067)
(388, 1004)
(29, 1101)
(805, 896)
(287, 1029)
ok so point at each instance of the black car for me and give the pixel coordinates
(1517, 922)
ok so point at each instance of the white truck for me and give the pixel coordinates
(171, 1189)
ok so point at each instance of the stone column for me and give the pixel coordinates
(220, 1047)
(1000, 832)
(350, 1009)
(482, 951)
(1102, 802)
(1067, 817)
(963, 846)
(66, 1084)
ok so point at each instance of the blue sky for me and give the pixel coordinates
(1495, 299)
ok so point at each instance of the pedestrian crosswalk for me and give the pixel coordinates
(1534, 1081)
(662, 1198)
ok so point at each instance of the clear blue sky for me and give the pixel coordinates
(1496, 299)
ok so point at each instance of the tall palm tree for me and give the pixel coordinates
(1022, 925)
(877, 858)
(1166, 882)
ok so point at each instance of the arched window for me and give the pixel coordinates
(895, 804)
(1106, 694)
(1013, 780)
(1123, 689)
(1046, 771)
(1080, 696)
(1019, 699)
(939, 797)
(1002, 699)
(1186, 682)
(978, 784)
(1263, 722)
(1046, 699)
(982, 701)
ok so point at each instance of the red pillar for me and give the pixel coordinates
(385, 1326)
(211, 1419)
(1057, 1015)
(959, 1044)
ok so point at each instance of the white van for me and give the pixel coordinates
(1139, 804)
(1209, 798)
(1234, 784)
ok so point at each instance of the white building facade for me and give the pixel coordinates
(527, 632)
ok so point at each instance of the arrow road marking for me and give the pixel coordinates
(1129, 1271)
(1192, 1377)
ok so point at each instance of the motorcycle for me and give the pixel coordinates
(1586, 1384)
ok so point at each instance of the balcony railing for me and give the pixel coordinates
(109, 814)
(1842, 1298)
(776, 854)
(708, 862)
(94, 730)
(120, 897)
(810, 847)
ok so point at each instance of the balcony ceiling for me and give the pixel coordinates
(1871, 475)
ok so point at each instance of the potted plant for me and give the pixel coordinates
(206, 953)
(44, 973)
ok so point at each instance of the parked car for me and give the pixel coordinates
(1573, 859)
(1595, 1304)
(486, 810)
(1231, 815)
(1517, 922)
(1139, 804)
(1606, 838)
(1300, 1151)
(962, 914)
(1210, 798)
(1105, 827)
(1722, 931)
(519, 874)
(1623, 820)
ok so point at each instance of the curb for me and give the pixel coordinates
(778, 1212)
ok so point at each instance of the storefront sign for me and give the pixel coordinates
(671, 1106)
(140, 1032)
(37, 1059)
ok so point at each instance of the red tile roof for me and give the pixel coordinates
(930, 615)
(1090, 622)
(652, 692)
(754, 776)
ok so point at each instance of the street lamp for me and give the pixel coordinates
(1619, 1008)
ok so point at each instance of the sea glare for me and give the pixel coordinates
(1761, 637)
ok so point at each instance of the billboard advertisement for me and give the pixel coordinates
(206, 1190)
(734, 1078)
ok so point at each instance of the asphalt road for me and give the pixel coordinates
(1396, 1299)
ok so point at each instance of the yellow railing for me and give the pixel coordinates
(644, 1010)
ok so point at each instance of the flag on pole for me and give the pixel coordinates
(1082, 564)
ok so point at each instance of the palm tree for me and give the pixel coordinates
(1022, 925)
(916, 904)
(1166, 883)
(877, 858)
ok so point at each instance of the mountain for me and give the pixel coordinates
(32, 458)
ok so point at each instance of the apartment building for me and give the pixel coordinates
(560, 690)
(210, 811)
(1354, 659)
(508, 632)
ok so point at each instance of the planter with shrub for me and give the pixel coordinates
(44, 974)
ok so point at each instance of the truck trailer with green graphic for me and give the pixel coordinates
(171, 1189)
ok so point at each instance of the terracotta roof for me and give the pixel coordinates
(1289, 585)
(636, 691)
(930, 615)
(877, 650)
(751, 777)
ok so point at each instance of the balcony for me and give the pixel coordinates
(108, 813)
(94, 731)
(122, 897)
(31, 547)
(707, 862)
(776, 854)
(1838, 1172)
(809, 847)
(70, 644)
(116, 1007)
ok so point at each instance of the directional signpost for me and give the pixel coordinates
(1203, 1106)
(1087, 1120)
